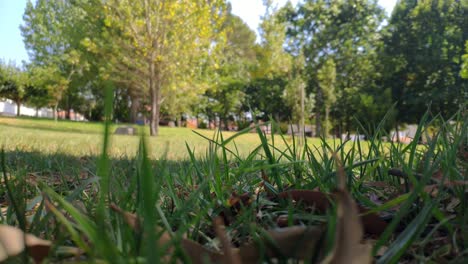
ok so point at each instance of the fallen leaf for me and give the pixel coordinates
(373, 224)
(292, 242)
(196, 252)
(230, 256)
(349, 233)
(14, 240)
(377, 184)
(283, 221)
(298, 242)
(454, 202)
(131, 219)
(314, 198)
(237, 201)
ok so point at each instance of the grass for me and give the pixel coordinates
(84, 139)
(181, 191)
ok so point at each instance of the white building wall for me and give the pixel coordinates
(8, 108)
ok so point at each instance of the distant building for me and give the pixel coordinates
(9, 108)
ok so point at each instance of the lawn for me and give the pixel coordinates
(81, 139)
(274, 201)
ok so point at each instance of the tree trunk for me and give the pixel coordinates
(67, 115)
(302, 125)
(179, 121)
(18, 108)
(326, 128)
(318, 114)
(134, 109)
(37, 111)
(155, 88)
(55, 111)
(226, 122)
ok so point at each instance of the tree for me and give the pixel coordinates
(162, 43)
(13, 84)
(236, 59)
(52, 33)
(422, 53)
(38, 94)
(326, 76)
(264, 95)
(47, 86)
(345, 32)
(464, 70)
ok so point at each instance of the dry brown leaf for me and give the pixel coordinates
(373, 224)
(314, 198)
(293, 242)
(230, 256)
(131, 219)
(13, 241)
(297, 242)
(196, 252)
(349, 233)
(377, 184)
(433, 189)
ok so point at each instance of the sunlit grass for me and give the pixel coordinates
(80, 139)
(187, 179)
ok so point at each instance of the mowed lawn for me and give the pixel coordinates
(83, 138)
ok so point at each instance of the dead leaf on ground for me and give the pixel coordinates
(298, 242)
(349, 234)
(377, 184)
(314, 198)
(292, 242)
(230, 256)
(433, 189)
(14, 240)
(349, 231)
(196, 252)
(373, 224)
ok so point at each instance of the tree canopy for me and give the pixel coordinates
(342, 60)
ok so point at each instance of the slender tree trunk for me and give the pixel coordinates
(318, 114)
(179, 121)
(302, 126)
(55, 111)
(134, 109)
(18, 108)
(67, 116)
(37, 111)
(226, 122)
(155, 89)
(326, 127)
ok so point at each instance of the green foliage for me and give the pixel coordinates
(464, 70)
(265, 93)
(236, 59)
(13, 84)
(164, 47)
(188, 57)
(326, 76)
(423, 44)
(347, 33)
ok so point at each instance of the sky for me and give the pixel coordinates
(11, 15)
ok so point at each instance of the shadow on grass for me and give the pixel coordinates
(59, 126)
(53, 129)
(21, 163)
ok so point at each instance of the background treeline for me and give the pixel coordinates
(330, 62)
